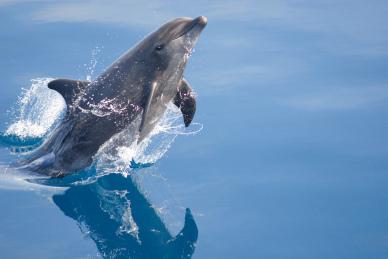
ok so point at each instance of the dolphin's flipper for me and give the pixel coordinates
(69, 89)
(147, 106)
(185, 100)
(142, 130)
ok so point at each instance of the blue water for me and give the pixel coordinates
(287, 159)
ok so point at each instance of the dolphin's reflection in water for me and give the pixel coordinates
(122, 222)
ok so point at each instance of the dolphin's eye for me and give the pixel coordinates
(159, 47)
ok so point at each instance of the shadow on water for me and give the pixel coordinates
(122, 222)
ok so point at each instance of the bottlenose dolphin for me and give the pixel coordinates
(136, 87)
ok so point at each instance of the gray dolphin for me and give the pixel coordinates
(136, 87)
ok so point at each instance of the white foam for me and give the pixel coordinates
(39, 108)
(123, 148)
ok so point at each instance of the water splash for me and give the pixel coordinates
(123, 151)
(38, 110)
(91, 66)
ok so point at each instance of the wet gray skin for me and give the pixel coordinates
(135, 88)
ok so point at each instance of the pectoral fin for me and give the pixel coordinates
(185, 101)
(69, 89)
(147, 105)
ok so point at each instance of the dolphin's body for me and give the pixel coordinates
(140, 84)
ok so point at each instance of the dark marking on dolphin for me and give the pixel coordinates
(136, 87)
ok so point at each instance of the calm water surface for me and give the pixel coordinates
(291, 162)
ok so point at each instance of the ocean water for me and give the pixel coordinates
(286, 158)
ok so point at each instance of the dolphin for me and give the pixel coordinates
(133, 92)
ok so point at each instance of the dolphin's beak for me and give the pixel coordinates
(198, 23)
(201, 20)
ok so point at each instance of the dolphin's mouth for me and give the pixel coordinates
(200, 22)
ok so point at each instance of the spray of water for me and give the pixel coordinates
(41, 109)
(38, 110)
(91, 66)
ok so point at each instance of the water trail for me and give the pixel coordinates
(14, 179)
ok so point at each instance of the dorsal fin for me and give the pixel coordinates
(69, 89)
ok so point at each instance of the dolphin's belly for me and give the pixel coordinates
(89, 132)
(79, 146)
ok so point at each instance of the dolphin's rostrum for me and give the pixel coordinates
(135, 88)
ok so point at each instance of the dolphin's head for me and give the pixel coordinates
(167, 49)
(175, 40)
(150, 74)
